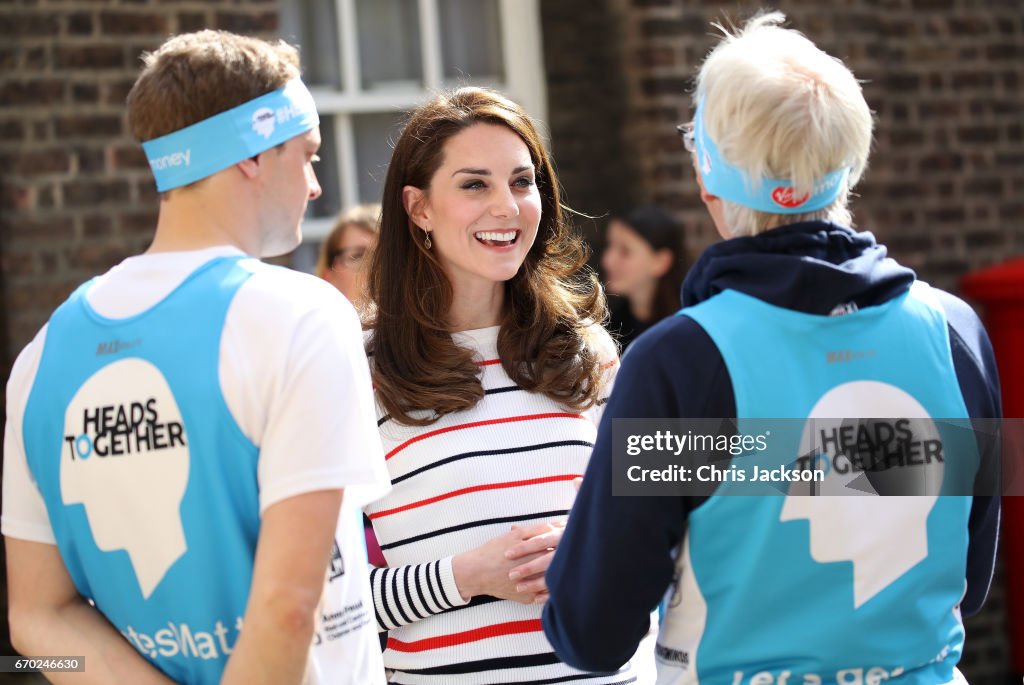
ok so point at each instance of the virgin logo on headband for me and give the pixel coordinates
(263, 121)
(783, 196)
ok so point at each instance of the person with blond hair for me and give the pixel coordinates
(346, 250)
(491, 368)
(184, 431)
(794, 315)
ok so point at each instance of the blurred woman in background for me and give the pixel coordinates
(644, 264)
(345, 252)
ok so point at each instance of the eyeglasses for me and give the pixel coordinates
(686, 133)
(347, 259)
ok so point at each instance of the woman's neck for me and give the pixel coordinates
(479, 308)
(641, 302)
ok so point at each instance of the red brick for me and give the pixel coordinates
(191, 21)
(132, 23)
(19, 264)
(91, 160)
(139, 223)
(29, 24)
(80, 23)
(85, 93)
(17, 196)
(89, 126)
(29, 162)
(90, 56)
(239, 22)
(98, 226)
(12, 130)
(130, 157)
(31, 92)
(8, 57)
(90, 193)
(41, 229)
(117, 92)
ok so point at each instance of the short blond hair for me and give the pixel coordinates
(366, 217)
(777, 106)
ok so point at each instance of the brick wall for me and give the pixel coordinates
(587, 110)
(946, 178)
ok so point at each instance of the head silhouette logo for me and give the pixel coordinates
(263, 121)
(126, 460)
(863, 455)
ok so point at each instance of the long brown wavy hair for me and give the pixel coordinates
(550, 303)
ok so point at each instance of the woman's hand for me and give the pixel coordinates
(485, 569)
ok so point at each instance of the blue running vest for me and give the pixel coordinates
(149, 483)
(779, 590)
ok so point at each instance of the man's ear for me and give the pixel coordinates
(413, 201)
(250, 167)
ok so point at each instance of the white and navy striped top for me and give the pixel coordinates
(457, 484)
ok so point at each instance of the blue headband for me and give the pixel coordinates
(765, 195)
(211, 145)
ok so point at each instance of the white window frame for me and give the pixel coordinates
(522, 54)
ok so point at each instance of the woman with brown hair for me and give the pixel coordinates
(344, 254)
(490, 369)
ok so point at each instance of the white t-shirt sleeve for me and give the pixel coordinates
(320, 427)
(24, 511)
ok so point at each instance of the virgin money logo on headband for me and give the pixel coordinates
(263, 121)
(783, 196)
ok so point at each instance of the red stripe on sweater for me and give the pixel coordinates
(475, 424)
(475, 488)
(511, 628)
(489, 362)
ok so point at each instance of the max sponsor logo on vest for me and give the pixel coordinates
(180, 639)
(117, 346)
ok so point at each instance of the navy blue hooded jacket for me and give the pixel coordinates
(616, 559)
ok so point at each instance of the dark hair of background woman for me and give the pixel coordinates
(662, 232)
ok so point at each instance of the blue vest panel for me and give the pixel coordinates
(149, 483)
(801, 590)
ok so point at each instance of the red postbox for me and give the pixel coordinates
(1000, 291)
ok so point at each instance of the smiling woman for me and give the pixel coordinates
(491, 369)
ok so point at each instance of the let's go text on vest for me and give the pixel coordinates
(118, 430)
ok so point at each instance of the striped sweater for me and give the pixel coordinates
(457, 484)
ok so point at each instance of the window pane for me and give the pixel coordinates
(389, 44)
(471, 40)
(313, 25)
(375, 135)
(329, 203)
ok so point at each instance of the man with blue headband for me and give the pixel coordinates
(191, 436)
(794, 315)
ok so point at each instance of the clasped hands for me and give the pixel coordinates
(510, 566)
